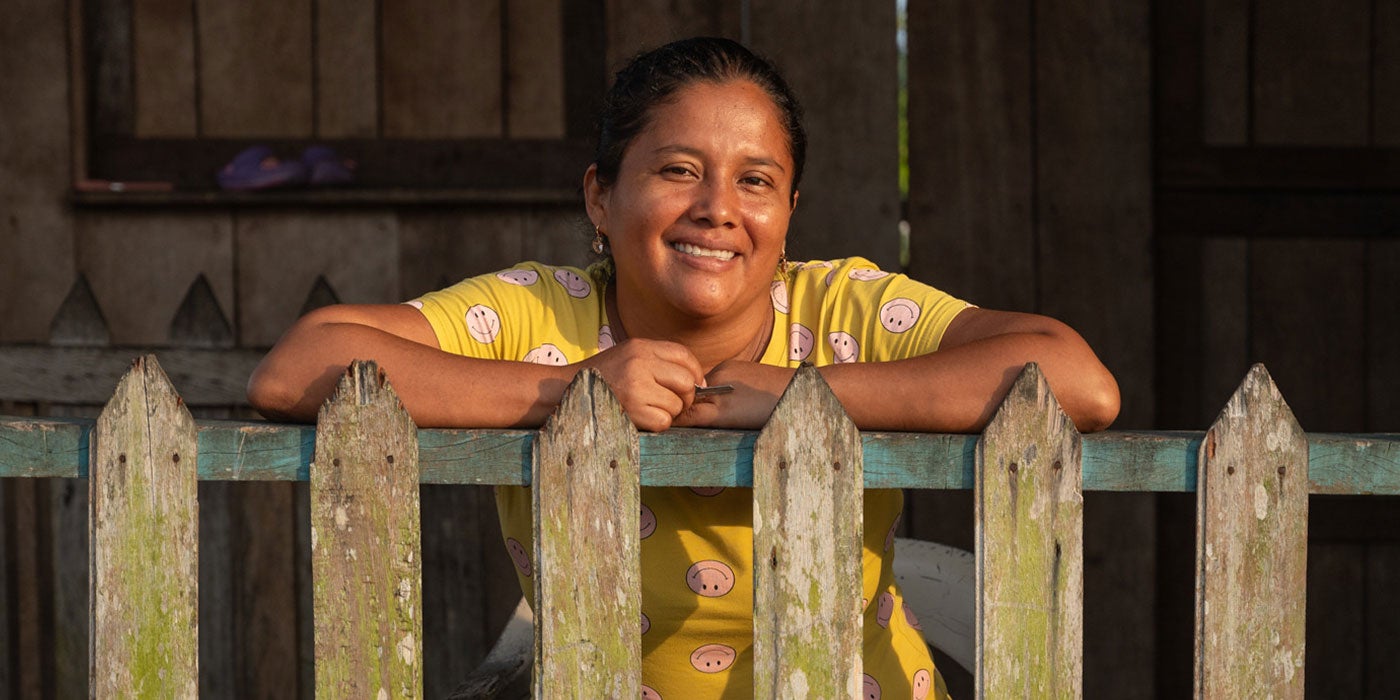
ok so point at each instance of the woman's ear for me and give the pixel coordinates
(794, 202)
(595, 197)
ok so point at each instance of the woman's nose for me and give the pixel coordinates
(715, 204)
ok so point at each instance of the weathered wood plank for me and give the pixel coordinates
(1299, 98)
(86, 375)
(1223, 355)
(27, 625)
(1251, 547)
(441, 69)
(1030, 566)
(1383, 299)
(347, 85)
(587, 505)
(366, 562)
(534, 71)
(971, 159)
(1225, 78)
(255, 68)
(454, 581)
(808, 502)
(163, 68)
(1385, 80)
(638, 25)
(144, 541)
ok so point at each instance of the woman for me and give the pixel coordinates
(699, 156)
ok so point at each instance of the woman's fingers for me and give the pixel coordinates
(654, 380)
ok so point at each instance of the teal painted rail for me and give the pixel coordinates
(1113, 461)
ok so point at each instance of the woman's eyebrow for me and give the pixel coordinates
(677, 149)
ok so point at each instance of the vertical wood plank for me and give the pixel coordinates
(1382, 335)
(68, 508)
(265, 600)
(1030, 522)
(365, 562)
(1251, 547)
(1385, 85)
(25, 545)
(587, 558)
(1312, 72)
(1337, 620)
(453, 581)
(255, 68)
(36, 268)
(638, 25)
(144, 541)
(1093, 174)
(280, 255)
(534, 69)
(1224, 331)
(163, 68)
(850, 188)
(970, 155)
(1306, 308)
(347, 70)
(218, 614)
(441, 69)
(1383, 620)
(1225, 72)
(809, 485)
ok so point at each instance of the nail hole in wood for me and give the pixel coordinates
(1229, 470)
(1013, 468)
(176, 457)
(390, 458)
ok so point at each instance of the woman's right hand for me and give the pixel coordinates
(654, 380)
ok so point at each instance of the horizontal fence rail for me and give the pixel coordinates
(1252, 471)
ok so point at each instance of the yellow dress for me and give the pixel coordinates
(697, 543)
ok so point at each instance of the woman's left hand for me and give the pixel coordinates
(757, 388)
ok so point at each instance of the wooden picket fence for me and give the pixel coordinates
(1252, 470)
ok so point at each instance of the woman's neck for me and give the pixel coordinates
(742, 337)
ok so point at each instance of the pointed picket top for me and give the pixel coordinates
(366, 562)
(807, 537)
(586, 561)
(1251, 547)
(144, 509)
(1030, 554)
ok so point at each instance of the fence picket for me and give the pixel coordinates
(1030, 556)
(1251, 547)
(365, 560)
(807, 534)
(587, 506)
(144, 534)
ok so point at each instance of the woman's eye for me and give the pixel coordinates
(676, 170)
(754, 181)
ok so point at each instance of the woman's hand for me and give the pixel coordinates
(653, 379)
(757, 389)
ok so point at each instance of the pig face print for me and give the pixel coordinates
(483, 324)
(899, 315)
(519, 278)
(547, 354)
(712, 658)
(779, 293)
(800, 342)
(844, 347)
(710, 578)
(573, 283)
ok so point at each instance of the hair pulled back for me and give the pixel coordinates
(653, 78)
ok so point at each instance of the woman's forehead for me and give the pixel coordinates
(703, 114)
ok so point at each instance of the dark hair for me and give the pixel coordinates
(653, 77)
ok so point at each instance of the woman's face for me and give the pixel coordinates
(698, 214)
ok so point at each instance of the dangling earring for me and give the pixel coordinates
(782, 262)
(600, 242)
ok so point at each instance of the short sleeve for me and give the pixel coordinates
(529, 313)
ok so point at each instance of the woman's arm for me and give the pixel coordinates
(956, 389)
(654, 380)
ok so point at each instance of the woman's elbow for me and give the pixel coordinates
(1098, 405)
(274, 399)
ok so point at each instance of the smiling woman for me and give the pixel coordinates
(695, 178)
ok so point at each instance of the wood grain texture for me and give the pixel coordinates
(850, 188)
(87, 375)
(280, 255)
(1030, 565)
(1225, 79)
(971, 156)
(25, 545)
(347, 69)
(68, 519)
(808, 529)
(441, 69)
(163, 68)
(586, 562)
(534, 70)
(141, 267)
(144, 534)
(638, 25)
(1093, 184)
(1251, 547)
(366, 561)
(1312, 72)
(255, 69)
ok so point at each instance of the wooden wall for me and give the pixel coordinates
(1194, 186)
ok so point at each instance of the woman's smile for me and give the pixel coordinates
(701, 252)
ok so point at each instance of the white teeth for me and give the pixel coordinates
(697, 251)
